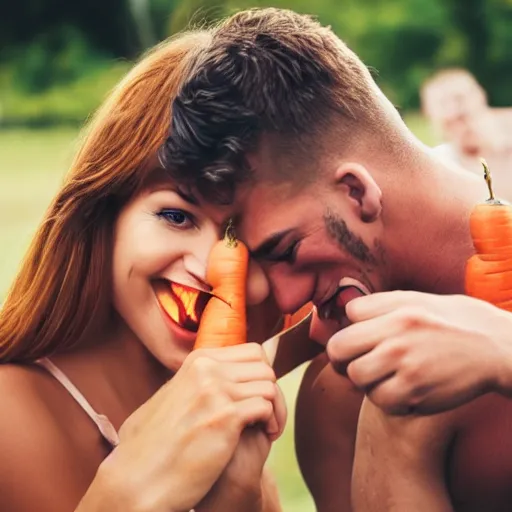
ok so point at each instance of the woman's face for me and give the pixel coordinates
(162, 240)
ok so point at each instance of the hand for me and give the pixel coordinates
(241, 485)
(422, 353)
(175, 447)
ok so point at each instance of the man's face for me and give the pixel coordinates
(310, 242)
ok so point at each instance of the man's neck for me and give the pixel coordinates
(431, 242)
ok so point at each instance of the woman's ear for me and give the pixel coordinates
(362, 189)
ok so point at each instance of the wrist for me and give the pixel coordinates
(105, 494)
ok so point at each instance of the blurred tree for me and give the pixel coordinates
(53, 41)
(470, 17)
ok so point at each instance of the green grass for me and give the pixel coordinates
(33, 164)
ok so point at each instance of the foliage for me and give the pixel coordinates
(52, 44)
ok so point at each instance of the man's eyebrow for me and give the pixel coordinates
(267, 246)
(187, 196)
(165, 185)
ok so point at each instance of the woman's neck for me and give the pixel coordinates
(115, 372)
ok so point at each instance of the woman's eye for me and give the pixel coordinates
(177, 218)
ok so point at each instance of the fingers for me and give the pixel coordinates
(376, 365)
(280, 414)
(247, 372)
(240, 353)
(269, 392)
(377, 304)
(392, 396)
(242, 375)
(263, 388)
(255, 410)
(358, 339)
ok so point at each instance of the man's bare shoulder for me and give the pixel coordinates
(481, 456)
(38, 454)
(326, 418)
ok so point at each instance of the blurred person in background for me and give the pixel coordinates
(456, 106)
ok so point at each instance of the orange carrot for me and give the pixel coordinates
(224, 321)
(489, 271)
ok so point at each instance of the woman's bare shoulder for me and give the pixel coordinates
(27, 421)
(38, 454)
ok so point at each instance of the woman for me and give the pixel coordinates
(91, 418)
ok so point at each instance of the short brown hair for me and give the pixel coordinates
(266, 71)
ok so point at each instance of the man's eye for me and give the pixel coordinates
(177, 218)
(289, 255)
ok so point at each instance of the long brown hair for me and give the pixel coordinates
(63, 289)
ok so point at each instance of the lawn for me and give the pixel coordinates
(32, 165)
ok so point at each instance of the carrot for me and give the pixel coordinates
(489, 271)
(223, 322)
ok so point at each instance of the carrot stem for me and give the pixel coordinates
(230, 235)
(488, 179)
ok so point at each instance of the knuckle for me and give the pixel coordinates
(203, 366)
(267, 408)
(354, 373)
(270, 391)
(396, 350)
(412, 317)
(270, 373)
(223, 417)
(255, 351)
(411, 374)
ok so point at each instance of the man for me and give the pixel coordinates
(456, 105)
(283, 124)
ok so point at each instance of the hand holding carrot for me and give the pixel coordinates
(176, 446)
(224, 324)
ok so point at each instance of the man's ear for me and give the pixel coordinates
(362, 189)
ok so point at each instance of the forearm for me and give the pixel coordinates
(232, 497)
(269, 493)
(396, 492)
(398, 464)
(110, 491)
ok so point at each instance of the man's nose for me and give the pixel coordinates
(290, 290)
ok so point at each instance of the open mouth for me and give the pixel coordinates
(183, 304)
(334, 307)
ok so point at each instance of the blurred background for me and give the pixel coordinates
(58, 60)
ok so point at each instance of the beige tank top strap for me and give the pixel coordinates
(106, 428)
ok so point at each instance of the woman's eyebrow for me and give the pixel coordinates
(185, 195)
